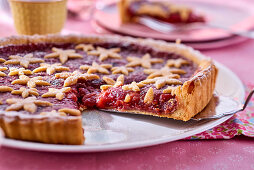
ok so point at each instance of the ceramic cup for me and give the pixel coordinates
(38, 16)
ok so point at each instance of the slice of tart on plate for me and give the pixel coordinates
(130, 10)
(46, 81)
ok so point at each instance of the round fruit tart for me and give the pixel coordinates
(47, 81)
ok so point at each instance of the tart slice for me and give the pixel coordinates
(54, 78)
(130, 10)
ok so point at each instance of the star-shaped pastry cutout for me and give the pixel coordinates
(152, 9)
(72, 78)
(106, 53)
(148, 99)
(19, 71)
(127, 98)
(169, 89)
(63, 55)
(85, 47)
(2, 60)
(176, 62)
(53, 113)
(57, 93)
(109, 80)
(2, 74)
(5, 89)
(162, 81)
(164, 71)
(30, 82)
(62, 112)
(96, 68)
(112, 83)
(183, 11)
(146, 61)
(122, 70)
(72, 112)
(24, 92)
(23, 61)
(29, 104)
(133, 86)
(51, 68)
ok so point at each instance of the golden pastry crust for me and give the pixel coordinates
(46, 129)
(192, 96)
(122, 7)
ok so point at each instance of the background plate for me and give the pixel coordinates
(196, 45)
(238, 17)
(110, 131)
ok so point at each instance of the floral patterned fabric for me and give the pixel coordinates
(241, 123)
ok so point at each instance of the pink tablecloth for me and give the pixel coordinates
(230, 154)
(180, 155)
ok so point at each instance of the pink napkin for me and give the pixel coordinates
(241, 123)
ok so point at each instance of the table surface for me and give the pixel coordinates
(199, 154)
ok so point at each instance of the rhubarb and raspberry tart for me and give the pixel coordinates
(47, 81)
(131, 10)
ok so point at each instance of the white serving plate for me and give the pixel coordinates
(111, 131)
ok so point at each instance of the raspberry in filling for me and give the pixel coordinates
(114, 98)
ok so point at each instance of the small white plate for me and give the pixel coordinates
(111, 131)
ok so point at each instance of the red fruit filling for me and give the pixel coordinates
(113, 98)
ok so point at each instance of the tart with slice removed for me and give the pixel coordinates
(46, 81)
